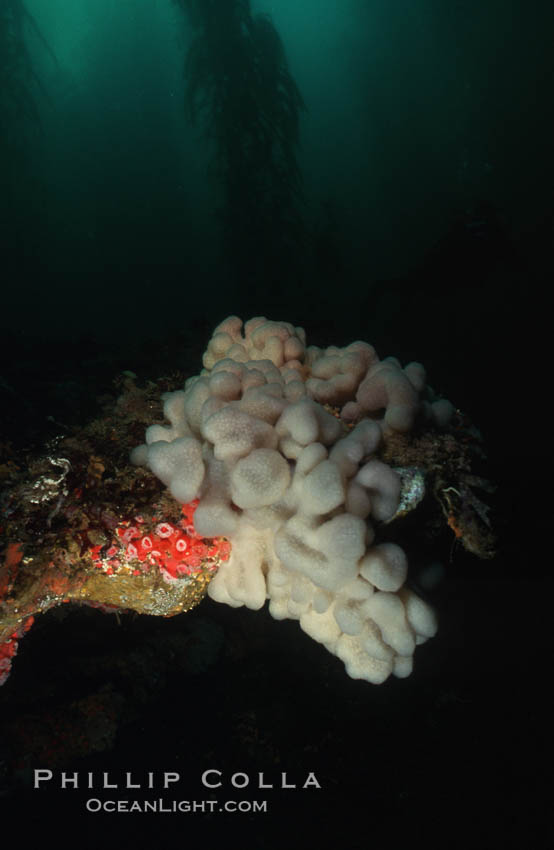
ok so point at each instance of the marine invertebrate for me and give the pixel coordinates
(8, 649)
(283, 445)
(175, 549)
(285, 474)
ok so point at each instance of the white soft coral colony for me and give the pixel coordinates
(297, 489)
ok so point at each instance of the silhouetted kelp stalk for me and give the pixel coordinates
(17, 76)
(239, 88)
(19, 113)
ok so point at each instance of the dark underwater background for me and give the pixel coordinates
(368, 169)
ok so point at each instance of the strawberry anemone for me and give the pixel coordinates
(174, 548)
